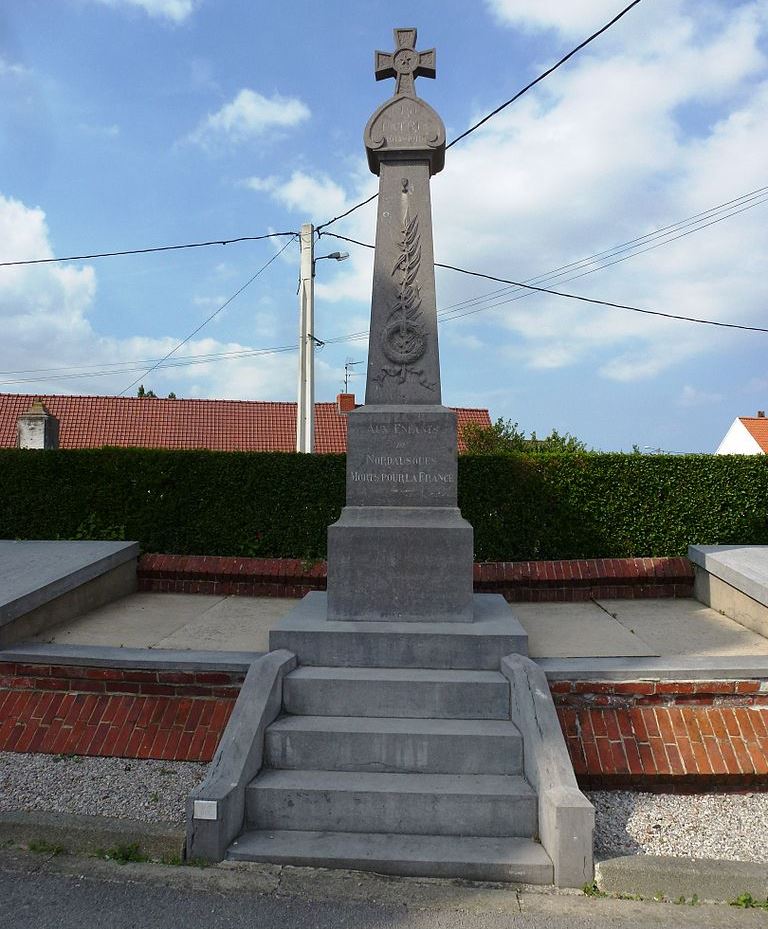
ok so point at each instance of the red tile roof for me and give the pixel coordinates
(224, 425)
(757, 427)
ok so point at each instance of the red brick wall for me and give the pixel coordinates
(518, 581)
(173, 715)
(645, 734)
(666, 734)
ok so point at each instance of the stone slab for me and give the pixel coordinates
(744, 567)
(109, 657)
(216, 808)
(481, 644)
(431, 804)
(405, 564)
(401, 456)
(33, 573)
(572, 630)
(408, 692)
(425, 746)
(467, 857)
(668, 627)
(668, 668)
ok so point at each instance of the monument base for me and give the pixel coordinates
(480, 644)
(406, 564)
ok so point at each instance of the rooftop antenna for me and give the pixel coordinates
(348, 372)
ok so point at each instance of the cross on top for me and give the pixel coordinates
(405, 63)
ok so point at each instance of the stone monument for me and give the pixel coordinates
(396, 724)
(401, 550)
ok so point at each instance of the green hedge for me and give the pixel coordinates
(279, 505)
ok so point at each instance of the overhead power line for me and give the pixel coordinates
(545, 74)
(477, 304)
(209, 318)
(608, 303)
(503, 106)
(144, 251)
(529, 287)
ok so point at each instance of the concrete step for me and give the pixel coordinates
(422, 804)
(407, 692)
(481, 859)
(308, 633)
(427, 746)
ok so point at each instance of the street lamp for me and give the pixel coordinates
(305, 410)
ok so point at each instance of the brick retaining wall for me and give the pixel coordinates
(517, 581)
(666, 734)
(173, 715)
(643, 734)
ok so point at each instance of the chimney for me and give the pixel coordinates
(37, 428)
(345, 403)
(761, 414)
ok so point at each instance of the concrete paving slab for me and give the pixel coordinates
(675, 627)
(139, 620)
(575, 630)
(237, 623)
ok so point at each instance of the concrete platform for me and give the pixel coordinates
(45, 583)
(635, 631)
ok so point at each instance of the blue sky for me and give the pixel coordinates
(132, 123)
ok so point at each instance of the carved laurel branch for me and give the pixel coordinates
(403, 338)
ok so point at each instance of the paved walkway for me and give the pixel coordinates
(605, 628)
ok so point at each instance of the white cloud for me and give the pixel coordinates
(693, 396)
(248, 116)
(304, 194)
(12, 69)
(315, 197)
(570, 17)
(604, 151)
(174, 10)
(44, 312)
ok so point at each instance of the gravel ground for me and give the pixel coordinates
(731, 826)
(153, 791)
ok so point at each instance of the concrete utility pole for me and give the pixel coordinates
(305, 411)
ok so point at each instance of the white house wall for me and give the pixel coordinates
(738, 441)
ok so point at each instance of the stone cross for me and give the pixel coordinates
(405, 63)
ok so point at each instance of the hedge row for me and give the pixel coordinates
(279, 505)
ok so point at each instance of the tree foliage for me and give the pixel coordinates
(505, 437)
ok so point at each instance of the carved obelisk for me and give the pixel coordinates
(401, 550)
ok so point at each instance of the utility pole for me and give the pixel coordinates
(305, 408)
(305, 411)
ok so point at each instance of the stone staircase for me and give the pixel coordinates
(397, 770)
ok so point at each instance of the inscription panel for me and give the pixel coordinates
(401, 457)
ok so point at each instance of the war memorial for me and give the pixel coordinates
(396, 724)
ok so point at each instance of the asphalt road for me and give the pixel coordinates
(62, 891)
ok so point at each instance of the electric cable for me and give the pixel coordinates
(209, 318)
(144, 251)
(503, 106)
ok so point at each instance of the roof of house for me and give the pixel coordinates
(223, 425)
(757, 427)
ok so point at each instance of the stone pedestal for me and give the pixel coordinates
(401, 550)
